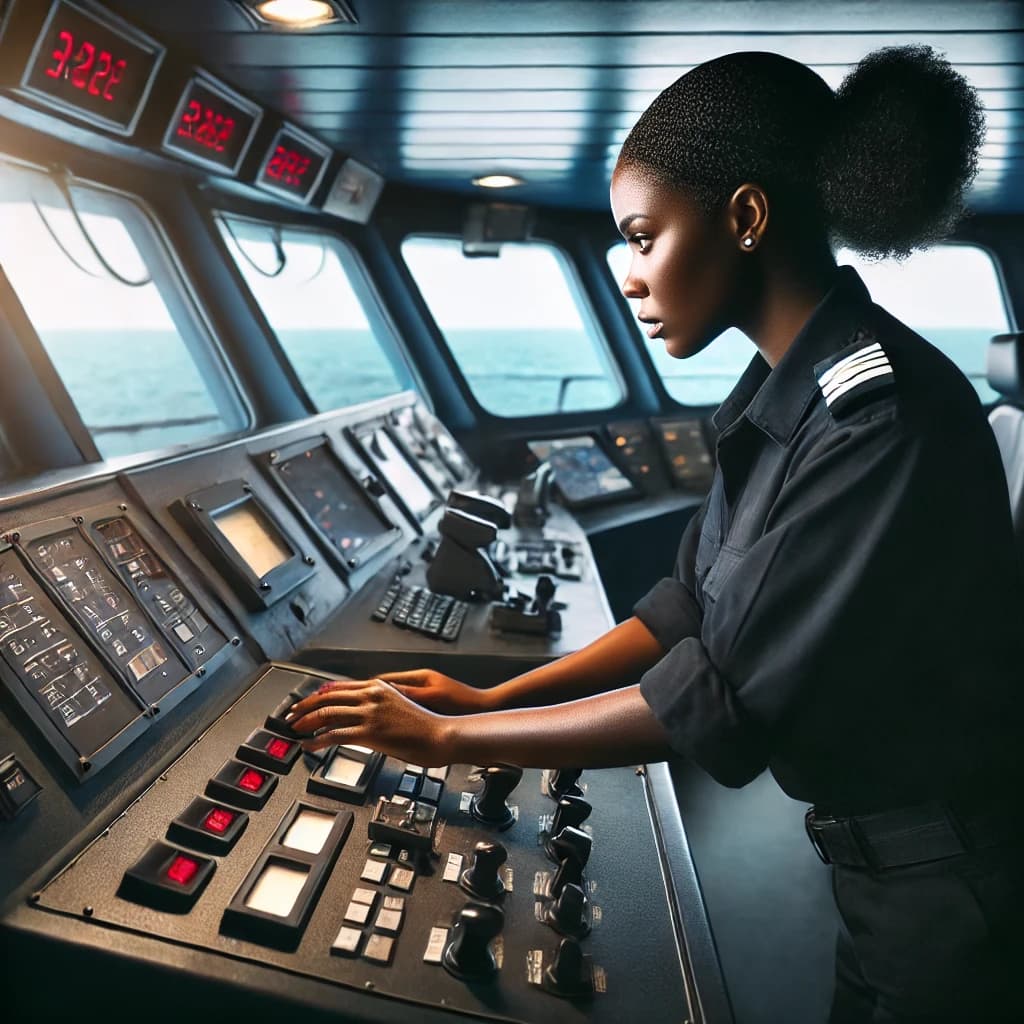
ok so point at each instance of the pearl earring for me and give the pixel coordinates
(748, 242)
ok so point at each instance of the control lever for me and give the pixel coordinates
(570, 973)
(571, 811)
(572, 848)
(532, 500)
(541, 618)
(568, 913)
(482, 506)
(481, 878)
(461, 567)
(468, 953)
(564, 782)
(489, 805)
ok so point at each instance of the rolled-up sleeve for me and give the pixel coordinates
(781, 616)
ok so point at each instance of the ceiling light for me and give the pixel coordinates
(498, 181)
(298, 13)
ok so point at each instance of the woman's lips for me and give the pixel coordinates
(655, 329)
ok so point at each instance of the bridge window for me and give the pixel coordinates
(516, 326)
(949, 294)
(112, 313)
(313, 295)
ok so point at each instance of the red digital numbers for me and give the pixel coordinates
(288, 166)
(205, 126)
(95, 72)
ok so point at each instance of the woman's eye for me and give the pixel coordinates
(642, 242)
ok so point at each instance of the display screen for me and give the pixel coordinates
(294, 165)
(62, 676)
(91, 68)
(396, 469)
(583, 471)
(212, 125)
(254, 537)
(107, 612)
(153, 584)
(324, 491)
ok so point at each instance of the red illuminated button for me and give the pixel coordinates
(218, 820)
(279, 748)
(252, 780)
(183, 869)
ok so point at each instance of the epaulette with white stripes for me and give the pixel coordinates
(851, 378)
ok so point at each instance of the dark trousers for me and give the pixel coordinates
(937, 942)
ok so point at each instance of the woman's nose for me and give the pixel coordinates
(633, 287)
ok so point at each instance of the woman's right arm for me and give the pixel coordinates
(616, 659)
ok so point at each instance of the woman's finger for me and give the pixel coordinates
(332, 737)
(330, 716)
(352, 693)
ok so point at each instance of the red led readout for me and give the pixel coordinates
(206, 126)
(288, 166)
(218, 820)
(252, 780)
(183, 869)
(95, 71)
(278, 748)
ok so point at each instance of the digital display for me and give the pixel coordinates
(324, 491)
(212, 124)
(294, 165)
(196, 638)
(253, 536)
(103, 607)
(99, 71)
(396, 469)
(582, 470)
(62, 676)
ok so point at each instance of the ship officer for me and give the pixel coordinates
(845, 608)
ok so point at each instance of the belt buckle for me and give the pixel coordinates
(813, 834)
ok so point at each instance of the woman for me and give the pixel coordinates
(845, 605)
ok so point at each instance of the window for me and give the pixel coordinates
(113, 315)
(304, 282)
(516, 327)
(949, 294)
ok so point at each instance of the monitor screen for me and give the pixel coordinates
(583, 471)
(400, 474)
(253, 536)
(331, 500)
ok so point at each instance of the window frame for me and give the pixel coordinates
(591, 324)
(381, 325)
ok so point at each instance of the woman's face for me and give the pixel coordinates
(684, 262)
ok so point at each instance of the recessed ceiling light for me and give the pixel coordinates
(298, 13)
(498, 181)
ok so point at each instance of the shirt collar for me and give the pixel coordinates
(775, 399)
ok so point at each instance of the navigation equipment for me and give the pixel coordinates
(97, 70)
(245, 542)
(212, 124)
(583, 472)
(293, 165)
(327, 495)
(403, 477)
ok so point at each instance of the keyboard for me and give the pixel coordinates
(421, 610)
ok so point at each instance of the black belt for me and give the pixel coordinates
(908, 835)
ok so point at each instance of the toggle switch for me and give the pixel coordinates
(489, 805)
(481, 878)
(468, 954)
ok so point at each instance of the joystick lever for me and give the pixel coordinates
(570, 973)
(489, 806)
(568, 913)
(481, 878)
(572, 849)
(468, 953)
(564, 782)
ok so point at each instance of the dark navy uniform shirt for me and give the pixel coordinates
(846, 606)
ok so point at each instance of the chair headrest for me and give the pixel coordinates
(1005, 362)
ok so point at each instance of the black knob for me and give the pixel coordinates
(481, 878)
(571, 810)
(489, 804)
(563, 782)
(570, 973)
(468, 952)
(568, 914)
(572, 849)
(543, 593)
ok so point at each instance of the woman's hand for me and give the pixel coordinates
(372, 713)
(441, 693)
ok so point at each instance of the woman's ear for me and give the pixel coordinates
(747, 216)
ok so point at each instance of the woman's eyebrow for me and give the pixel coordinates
(627, 220)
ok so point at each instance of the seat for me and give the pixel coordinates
(1005, 365)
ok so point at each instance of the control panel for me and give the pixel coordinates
(487, 890)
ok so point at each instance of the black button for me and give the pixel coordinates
(17, 787)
